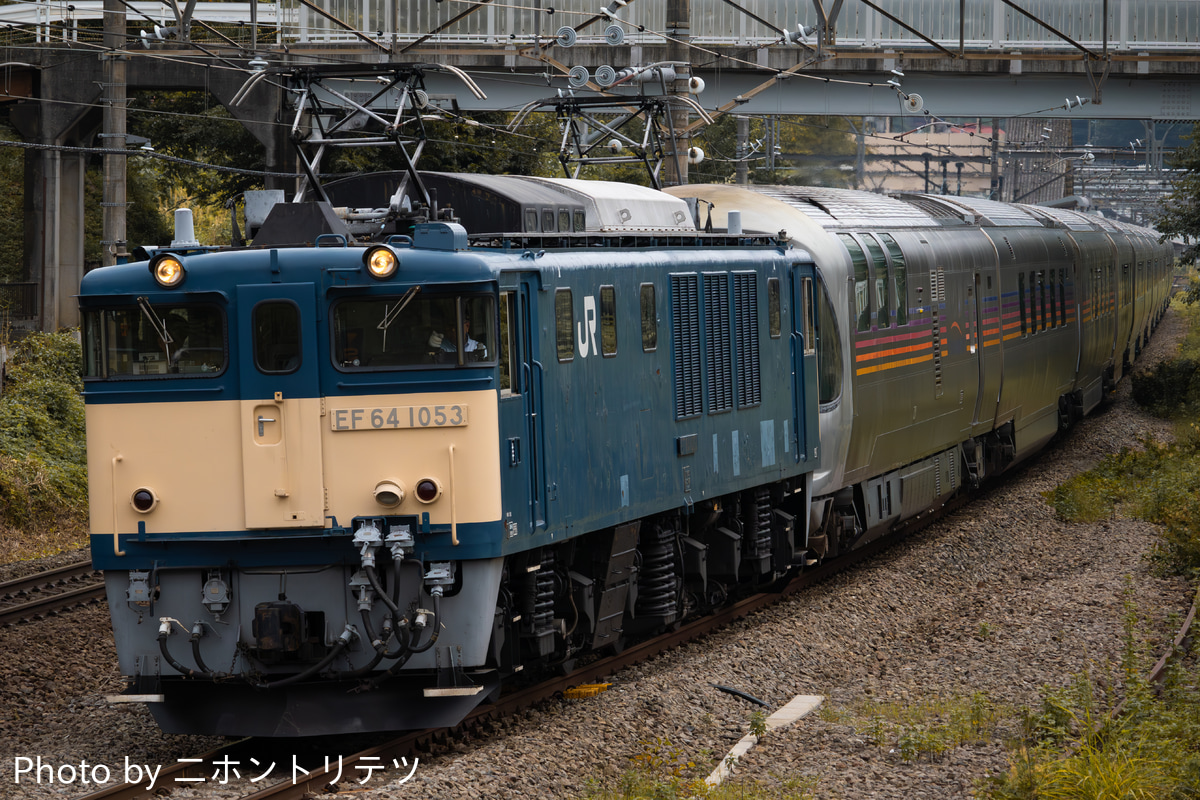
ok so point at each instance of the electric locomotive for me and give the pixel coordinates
(341, 487)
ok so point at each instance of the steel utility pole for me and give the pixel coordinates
(679, 31)
(114, 97)
(742, 168)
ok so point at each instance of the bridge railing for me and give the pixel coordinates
(986, 24)
(18, 301)
(1132, 25)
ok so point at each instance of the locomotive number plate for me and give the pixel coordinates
(374, 419)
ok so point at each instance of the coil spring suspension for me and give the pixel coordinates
(757, 537)
(657, 584)
(542, 614)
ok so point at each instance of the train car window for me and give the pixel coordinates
(162, 340)
(1044, 289)
(564, 220)
(276, 326)
(1062, 294)
(508, 317)
(1053, 299)
(809, 320)
(564, 325)
(774, 321)
(1034, 304)
(403, 331)
(548, 221)
(862, 291)
(608, 321)
(900, 274)
(1021, 295)
(649, 319)
(829, 351)
(580, 220)
(879, 272)
(531, 221)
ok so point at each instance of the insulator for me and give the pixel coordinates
(657, 595)
(605, 75)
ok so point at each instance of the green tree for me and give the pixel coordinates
(193, 126)
(829, 137)
(1181, 210)
(12, 211)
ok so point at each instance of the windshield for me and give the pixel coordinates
(147, 340)
(414, 329)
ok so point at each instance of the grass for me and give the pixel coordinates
(43, 462)
(662, 771)
(1160, 482)
(930, 727)
(1110, 735)
(1116, 735)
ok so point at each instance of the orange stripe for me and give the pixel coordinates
(894, 364)
(912, 348)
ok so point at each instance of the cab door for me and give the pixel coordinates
(280, 406)
(523, 493)
(804, 362)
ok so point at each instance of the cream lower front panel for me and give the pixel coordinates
(234, 465)
(373, 443)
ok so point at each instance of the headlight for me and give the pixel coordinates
(143, 500)
(167, 270)
(389, 493)
(381, 261)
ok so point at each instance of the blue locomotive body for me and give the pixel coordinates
(355, 487)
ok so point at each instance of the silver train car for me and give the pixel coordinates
(956, 336)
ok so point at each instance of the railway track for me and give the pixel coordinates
(53, 591)
(317, 780)
(402, 747)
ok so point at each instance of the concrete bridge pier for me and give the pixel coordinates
(67, 115)
(54, 188)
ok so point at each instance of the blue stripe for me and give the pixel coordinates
(261, 549)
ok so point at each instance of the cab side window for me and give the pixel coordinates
(564, 325)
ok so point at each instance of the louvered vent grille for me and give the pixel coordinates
(937, 285)
(719, 352)
(685, 344)
(930, 206)
(745, 286)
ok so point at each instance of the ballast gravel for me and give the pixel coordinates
(985, 607)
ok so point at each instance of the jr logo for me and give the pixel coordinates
(585, 330)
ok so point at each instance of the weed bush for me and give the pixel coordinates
(1123, 737)
(1169, 389)
(43, 462)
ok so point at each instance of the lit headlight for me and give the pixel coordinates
(168, 271)
(381, 262)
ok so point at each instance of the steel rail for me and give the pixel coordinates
(50, 605)
(65, 572)
(48, 585)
